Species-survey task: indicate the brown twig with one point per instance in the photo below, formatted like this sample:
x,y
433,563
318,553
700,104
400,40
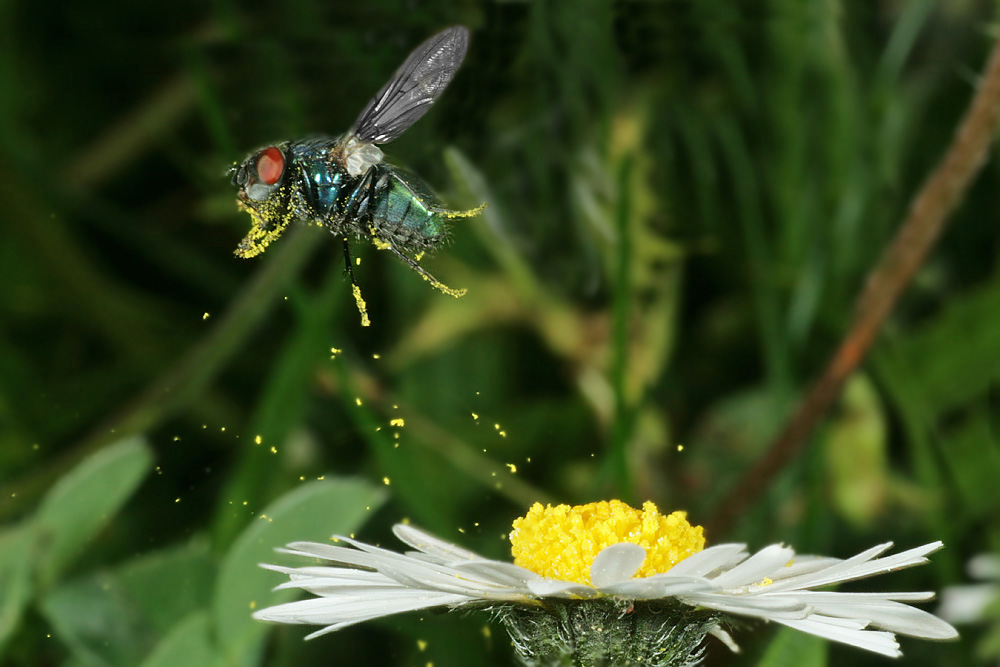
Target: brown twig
x,y
924,222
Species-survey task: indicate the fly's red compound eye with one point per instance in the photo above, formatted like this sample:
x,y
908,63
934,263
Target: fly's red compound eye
x,y
270,165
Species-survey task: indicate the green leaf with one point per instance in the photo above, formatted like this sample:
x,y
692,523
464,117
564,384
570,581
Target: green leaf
x,y
944,374
857,462
190,643
83,502
794,648
116,617
15,580
973,461
314,512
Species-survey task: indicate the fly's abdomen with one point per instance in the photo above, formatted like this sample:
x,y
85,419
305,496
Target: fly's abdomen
x,y
405,212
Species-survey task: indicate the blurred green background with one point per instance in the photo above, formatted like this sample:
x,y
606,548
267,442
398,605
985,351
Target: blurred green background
x,y
684,200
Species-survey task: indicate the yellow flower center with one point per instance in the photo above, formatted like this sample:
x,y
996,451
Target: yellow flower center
x,y
561,542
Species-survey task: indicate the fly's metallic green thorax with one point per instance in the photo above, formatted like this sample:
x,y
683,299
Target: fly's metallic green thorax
x,y
342,183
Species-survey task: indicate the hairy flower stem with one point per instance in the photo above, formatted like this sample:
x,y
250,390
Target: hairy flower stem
x,y
599,632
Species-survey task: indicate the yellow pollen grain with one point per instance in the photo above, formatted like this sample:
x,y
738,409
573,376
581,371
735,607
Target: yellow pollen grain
x,y
205,316
385,480
362,306
513,468
258,440
397,422
274,450
475,416
358,401
561,542
421,645
376,356
680,448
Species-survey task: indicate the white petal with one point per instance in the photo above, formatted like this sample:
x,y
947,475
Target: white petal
x,y
703,563
838,570
503,574
339,612
760,566
616,563
660,586
803,565
329,586
429,544
724,637
862,566
881,612
561,589
319,571
771,608
848,632
406,570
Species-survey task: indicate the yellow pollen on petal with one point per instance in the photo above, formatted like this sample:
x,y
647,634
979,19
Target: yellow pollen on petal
x,y
561,542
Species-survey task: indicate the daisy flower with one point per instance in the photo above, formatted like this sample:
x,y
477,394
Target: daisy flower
x,y
605,583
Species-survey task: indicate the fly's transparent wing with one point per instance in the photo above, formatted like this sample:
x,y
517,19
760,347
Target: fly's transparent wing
x,y
413,88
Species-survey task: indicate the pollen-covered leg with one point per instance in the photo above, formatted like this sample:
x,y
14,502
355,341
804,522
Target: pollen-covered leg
x,y
355,288
413,264
268,223
470,213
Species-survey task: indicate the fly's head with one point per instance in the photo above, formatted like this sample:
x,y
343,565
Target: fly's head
x,y
266,182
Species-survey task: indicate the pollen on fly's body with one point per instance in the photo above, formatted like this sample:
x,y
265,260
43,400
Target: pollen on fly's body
x,y
342,182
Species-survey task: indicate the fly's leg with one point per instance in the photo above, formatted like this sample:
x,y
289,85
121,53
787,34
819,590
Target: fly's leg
x,y
355,288
383,244
357,205
412,263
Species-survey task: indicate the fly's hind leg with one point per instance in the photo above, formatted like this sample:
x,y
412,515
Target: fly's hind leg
x,y
373,186
355,288
413,264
